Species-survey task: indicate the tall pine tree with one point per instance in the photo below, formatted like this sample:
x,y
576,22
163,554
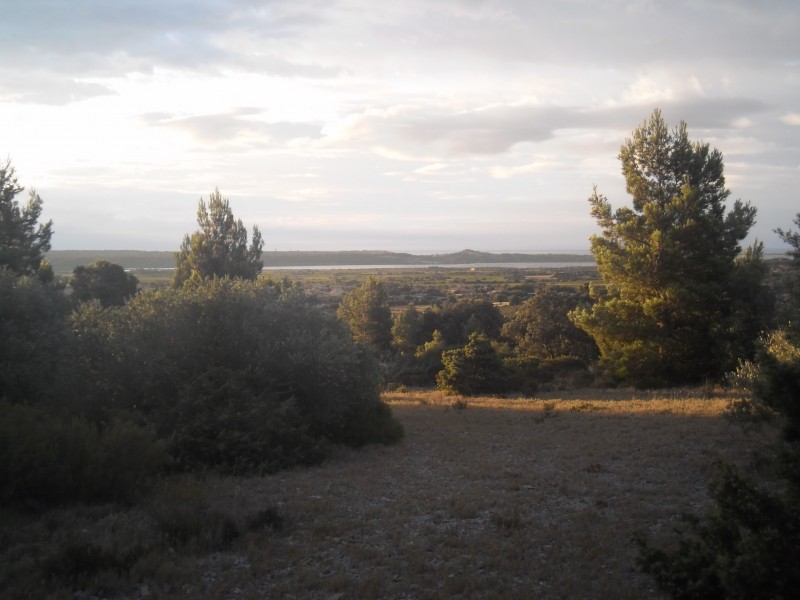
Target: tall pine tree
x,y
665,313
219,248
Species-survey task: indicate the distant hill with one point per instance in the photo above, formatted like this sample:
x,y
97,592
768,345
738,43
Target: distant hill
x,y
381,257
64,261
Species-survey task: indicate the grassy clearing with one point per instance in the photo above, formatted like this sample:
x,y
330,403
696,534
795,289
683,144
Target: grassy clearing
x,y
485,498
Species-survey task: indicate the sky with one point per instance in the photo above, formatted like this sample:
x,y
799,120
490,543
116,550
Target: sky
x,y
415,126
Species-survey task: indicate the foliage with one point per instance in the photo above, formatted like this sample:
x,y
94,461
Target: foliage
x,y
667,262
792,238
748,546
472,369
752,307
529,375
23,241
242,376
219,248
32,335
366,311
186,518
407,329
47,457
103,281
456,321
541,329
427,360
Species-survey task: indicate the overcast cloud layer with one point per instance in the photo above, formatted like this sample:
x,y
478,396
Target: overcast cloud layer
x,y
423,126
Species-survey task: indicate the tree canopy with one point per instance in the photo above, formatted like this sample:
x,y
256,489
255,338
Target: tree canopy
x,y
103,281
667,262
366,311
219,248
472,369
23,240
792,238
541,328
746,545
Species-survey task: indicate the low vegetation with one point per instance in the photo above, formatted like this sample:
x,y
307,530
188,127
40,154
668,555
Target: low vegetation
x,y
484,497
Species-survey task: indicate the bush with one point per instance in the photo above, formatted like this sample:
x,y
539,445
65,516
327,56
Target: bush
x,y
48,458
221,424
241,376
32,333
473,369
529,375
748,545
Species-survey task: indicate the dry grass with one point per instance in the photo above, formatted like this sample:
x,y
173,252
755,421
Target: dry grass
x,y
485,498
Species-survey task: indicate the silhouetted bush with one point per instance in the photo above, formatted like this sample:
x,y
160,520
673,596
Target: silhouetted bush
x,y
32,334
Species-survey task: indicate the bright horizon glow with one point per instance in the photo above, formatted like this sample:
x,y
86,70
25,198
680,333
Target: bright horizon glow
x,y
425,127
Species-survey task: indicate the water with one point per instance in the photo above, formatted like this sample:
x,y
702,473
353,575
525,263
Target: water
x,y
526,265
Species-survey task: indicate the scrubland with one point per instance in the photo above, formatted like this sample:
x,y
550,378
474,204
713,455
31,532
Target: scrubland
x,y
484,498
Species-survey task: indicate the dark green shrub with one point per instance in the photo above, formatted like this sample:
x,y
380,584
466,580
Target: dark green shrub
x,y
473,369
186,516
32,334
103,281
367,314
242,376
748,545
220,423
456,321
82,564
540,328
48,458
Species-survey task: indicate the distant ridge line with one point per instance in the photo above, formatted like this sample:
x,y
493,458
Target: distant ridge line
x,y
64,261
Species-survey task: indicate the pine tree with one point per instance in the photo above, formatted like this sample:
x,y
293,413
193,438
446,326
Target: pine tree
x,y
23,240
667,262
366,311
219,248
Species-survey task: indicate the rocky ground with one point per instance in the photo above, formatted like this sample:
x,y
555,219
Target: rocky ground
x,y
483,499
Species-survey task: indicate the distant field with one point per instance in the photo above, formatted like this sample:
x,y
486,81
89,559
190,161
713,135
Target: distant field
x,y
485,498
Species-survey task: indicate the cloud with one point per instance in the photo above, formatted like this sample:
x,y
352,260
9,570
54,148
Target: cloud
x,y
503,172
433,169
791,119
439,131
42,87
480,131
468,103
243,124
66,42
